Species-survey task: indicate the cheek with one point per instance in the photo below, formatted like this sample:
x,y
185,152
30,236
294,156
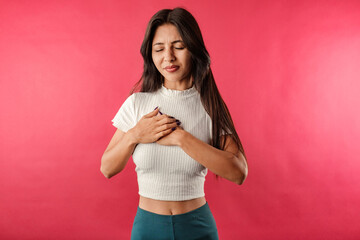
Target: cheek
x,y
186,57
156,61
187,60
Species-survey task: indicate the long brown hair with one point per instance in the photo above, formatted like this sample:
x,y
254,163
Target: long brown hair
x,y
151,80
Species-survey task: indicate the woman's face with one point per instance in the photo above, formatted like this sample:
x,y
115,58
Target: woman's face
x,y
170,56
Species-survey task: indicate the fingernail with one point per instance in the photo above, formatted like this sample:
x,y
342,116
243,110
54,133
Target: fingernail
x,y
171,117
178,123
155,108
160,113
173,128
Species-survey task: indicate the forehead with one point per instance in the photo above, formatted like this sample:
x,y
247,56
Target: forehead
x,y
166,33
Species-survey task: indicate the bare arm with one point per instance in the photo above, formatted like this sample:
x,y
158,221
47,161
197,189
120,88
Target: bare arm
x,y
117,153
150,128
229,163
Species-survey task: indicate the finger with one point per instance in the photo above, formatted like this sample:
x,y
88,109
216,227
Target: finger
x,y
159,117
168,126
160,113
152,113
164,119
163,133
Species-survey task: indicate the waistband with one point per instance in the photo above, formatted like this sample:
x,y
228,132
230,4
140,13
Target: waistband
x,y
203,211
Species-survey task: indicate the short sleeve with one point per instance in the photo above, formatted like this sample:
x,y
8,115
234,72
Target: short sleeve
x,y
125,117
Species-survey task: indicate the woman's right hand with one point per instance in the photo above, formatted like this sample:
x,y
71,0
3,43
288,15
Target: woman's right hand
x,y
153,126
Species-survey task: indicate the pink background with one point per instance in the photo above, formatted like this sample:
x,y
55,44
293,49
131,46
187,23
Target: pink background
x,y
289,72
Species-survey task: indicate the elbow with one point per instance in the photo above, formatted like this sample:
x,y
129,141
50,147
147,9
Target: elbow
x,y
109,173
106,169
105,173
241,178
241,174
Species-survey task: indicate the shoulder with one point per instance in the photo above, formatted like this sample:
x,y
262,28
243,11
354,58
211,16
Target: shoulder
x,y
143,96
140,99
137,96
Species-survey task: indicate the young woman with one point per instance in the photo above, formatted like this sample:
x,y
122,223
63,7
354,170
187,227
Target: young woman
x,y
176,128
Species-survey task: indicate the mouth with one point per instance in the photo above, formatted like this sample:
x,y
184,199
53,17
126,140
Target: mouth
x,y
171,68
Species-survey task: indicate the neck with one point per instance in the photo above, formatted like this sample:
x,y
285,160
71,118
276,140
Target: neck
x,y
178,85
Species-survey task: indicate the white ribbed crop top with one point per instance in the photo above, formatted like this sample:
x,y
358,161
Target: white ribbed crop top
x,y
167,172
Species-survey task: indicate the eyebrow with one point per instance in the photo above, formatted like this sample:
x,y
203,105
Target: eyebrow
x,y
160,43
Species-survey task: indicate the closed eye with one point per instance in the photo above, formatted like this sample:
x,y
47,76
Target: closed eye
x,y
178,48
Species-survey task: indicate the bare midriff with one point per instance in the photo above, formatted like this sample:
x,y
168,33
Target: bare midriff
x,y
170,207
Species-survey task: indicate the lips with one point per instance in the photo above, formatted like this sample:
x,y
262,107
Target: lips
x,y
172,68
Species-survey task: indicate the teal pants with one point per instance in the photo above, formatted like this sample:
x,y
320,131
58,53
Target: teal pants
x,y
197,224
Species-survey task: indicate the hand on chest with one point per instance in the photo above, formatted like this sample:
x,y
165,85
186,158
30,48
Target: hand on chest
x,y
193,118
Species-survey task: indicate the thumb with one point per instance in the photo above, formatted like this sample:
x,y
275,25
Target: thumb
x,y
153,113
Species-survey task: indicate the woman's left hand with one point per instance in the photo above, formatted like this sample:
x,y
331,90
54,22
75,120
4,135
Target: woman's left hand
x,y
173,138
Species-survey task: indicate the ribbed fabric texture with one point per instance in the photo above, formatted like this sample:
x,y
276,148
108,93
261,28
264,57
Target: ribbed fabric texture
x,y
167,172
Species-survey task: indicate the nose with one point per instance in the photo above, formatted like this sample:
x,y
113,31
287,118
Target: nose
x,y
169,55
